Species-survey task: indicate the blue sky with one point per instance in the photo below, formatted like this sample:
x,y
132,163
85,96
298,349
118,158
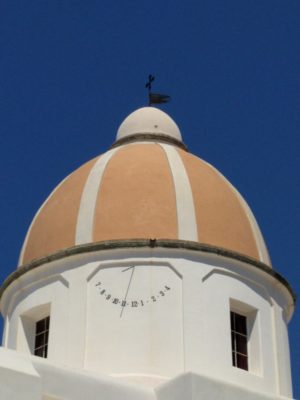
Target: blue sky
x,y
70,71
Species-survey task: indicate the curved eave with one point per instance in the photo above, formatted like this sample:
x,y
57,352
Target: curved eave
x,y
149,137
146,243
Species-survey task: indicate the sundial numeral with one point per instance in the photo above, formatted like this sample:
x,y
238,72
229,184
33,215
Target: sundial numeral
x,y
132,303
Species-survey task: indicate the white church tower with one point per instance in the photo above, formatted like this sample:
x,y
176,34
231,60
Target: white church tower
x,y
144,275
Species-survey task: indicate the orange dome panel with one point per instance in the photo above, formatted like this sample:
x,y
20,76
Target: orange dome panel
x,y
139,190
54,225
136,197
221,219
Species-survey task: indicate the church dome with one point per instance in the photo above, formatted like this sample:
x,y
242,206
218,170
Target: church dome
x,y
147,186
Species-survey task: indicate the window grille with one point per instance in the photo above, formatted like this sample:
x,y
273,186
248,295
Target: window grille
x,y
41,337
239,340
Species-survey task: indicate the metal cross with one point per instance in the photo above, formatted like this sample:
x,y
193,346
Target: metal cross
x,y
149,83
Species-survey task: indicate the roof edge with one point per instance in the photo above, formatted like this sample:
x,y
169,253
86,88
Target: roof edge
x,y
142,243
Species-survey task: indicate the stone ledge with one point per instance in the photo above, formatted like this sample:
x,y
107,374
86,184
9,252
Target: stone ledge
x,y
144,243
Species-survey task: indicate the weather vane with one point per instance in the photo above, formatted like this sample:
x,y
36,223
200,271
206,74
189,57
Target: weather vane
x,y
155,98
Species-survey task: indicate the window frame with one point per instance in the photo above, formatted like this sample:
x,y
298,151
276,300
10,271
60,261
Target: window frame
x,y
25,340
253,327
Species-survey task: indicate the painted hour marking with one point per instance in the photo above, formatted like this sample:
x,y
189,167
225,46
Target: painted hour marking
x,y
132,303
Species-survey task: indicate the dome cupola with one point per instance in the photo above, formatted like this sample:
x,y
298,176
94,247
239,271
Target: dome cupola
x,y
149,123
146,186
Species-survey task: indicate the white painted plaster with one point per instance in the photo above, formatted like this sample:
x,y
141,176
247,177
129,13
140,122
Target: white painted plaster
x,y
38,379
85,219
282,353
149,120
19,379
27,307
186,330
219,295
145,336
186,216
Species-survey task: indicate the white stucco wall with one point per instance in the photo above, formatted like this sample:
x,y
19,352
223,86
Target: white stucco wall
x,y
187,328
25,377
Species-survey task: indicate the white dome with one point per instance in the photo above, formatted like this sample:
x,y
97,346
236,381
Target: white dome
x,y
149,120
